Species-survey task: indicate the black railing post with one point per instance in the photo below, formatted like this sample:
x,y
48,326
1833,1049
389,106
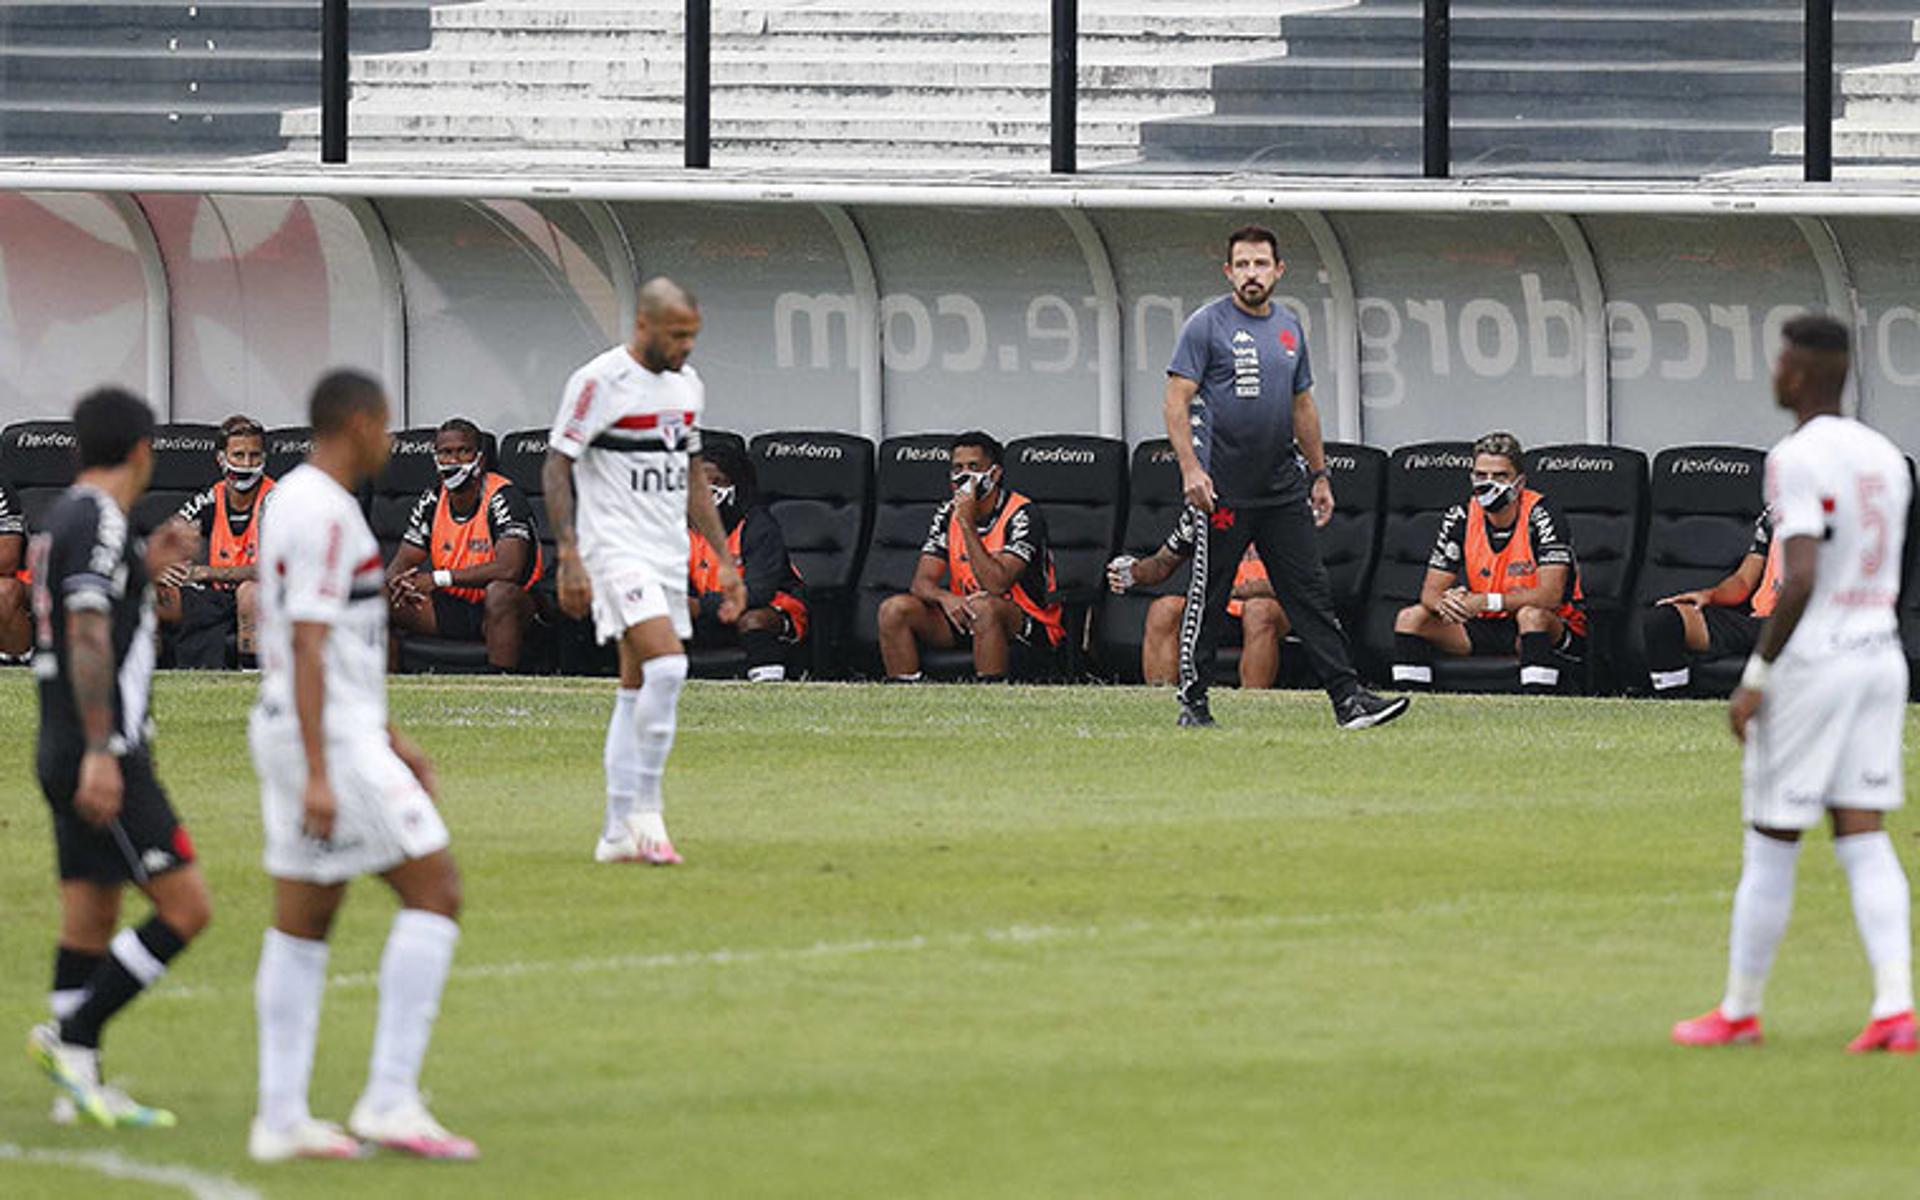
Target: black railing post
x,y
1066,86
699,75
333,81
1817,137
1436,91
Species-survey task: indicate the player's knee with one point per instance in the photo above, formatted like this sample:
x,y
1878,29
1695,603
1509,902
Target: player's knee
x,y
1411,619
246,596
504,599
187,910
897,611
1531,619
1848,822
1163,615
13,595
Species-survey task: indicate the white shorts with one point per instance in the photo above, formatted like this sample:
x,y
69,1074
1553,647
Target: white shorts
x,y
385,817
1827,736
627,594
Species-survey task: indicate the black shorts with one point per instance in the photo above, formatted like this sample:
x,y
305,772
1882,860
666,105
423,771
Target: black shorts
x,y
458,620
1730,630
204,607
144,841
1493,637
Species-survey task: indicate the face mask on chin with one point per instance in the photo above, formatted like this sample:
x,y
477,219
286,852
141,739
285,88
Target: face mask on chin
x,y
454,476
243,479
1492,494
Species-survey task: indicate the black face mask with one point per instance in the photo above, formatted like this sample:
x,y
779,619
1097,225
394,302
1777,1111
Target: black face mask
x,y
454,476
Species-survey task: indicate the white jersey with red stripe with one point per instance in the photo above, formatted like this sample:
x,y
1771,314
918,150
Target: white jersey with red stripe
x,y
319,562
1847,486
630,432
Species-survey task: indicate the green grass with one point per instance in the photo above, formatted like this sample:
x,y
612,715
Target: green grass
x,y
1004,942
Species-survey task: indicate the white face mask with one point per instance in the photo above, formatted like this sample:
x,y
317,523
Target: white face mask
x,y
454,476
1492,494
243,479
723,496
973,483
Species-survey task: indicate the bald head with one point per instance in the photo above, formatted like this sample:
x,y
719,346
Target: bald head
x,y
666,322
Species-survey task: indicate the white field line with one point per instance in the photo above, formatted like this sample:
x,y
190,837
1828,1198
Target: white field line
x,y
115,1165
1012,935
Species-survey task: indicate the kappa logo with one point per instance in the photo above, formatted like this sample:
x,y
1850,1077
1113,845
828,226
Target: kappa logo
x,y
155,860
1242,338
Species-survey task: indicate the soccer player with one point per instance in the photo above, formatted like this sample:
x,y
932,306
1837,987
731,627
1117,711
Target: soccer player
x,y
207,601
626,443
985,575
1240,412
1722,619
342,794
1263,623
112,823
776,614
1822,703
1502,577
458,573
16,632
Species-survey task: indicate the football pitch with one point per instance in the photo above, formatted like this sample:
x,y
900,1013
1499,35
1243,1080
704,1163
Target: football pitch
x,y
951,941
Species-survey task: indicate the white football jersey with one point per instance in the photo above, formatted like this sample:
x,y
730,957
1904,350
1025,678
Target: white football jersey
x,y
1836,480
629,432
319,562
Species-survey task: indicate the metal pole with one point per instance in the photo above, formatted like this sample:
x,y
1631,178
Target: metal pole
x,y
1437,89
1818,134
333,81
699,136
1066,86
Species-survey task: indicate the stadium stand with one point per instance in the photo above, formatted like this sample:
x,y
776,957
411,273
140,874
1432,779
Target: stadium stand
x,y
1080,483
1423,481
1704,503
38,460
183,467
820,488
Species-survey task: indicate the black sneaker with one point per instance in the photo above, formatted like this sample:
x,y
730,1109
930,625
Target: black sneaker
x,y
1364,710
1194,714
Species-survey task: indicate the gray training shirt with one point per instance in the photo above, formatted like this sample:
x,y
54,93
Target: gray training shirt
x,y
1249,369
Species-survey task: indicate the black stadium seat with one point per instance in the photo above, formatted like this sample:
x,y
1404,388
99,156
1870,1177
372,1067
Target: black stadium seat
x,y
820,488
1424,480
1154,504
287,448
909,483
409,471
183,467
1080,484
38,460
1602,493
1349,543
1705,500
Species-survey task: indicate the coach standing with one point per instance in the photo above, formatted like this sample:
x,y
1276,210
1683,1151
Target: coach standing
x,y
1241,417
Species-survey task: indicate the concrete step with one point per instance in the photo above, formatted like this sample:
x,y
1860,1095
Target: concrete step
x,y
1860,141
1877,95
767,69
929,103
267,78
1231,19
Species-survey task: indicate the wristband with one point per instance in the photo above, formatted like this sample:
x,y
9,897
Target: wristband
x,y
1754,678
1496,602
1323,473
443,578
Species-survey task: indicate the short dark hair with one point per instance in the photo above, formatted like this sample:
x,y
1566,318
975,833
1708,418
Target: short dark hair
x,y
462,425
1253,233
736,466
983,440
1503,444
1817,332
241,426
339,396
108,423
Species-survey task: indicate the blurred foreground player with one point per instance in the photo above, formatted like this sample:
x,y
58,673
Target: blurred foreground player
x,y
342,794
112,824
626,444
1822,703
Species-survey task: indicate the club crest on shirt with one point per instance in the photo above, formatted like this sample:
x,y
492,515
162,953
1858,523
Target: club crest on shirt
x,y
673,430
1289,341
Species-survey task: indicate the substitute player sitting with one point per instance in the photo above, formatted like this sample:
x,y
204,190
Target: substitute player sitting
x,y
1502,577
469,553
1821,707
985,576
1721,620
625,444
16,633
776,616
1263,623
210,601
342,794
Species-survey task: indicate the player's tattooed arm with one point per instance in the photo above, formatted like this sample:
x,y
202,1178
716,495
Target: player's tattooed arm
x,y
90,672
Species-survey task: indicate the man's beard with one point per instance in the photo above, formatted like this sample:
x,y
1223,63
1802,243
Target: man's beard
x,y
1255,293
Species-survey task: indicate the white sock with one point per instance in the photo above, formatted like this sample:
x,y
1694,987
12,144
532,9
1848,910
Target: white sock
x,y
777,673
656,716
286,1000
910,678
621,760
1761,906
413,971
1412,673
1881,910
63,1003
